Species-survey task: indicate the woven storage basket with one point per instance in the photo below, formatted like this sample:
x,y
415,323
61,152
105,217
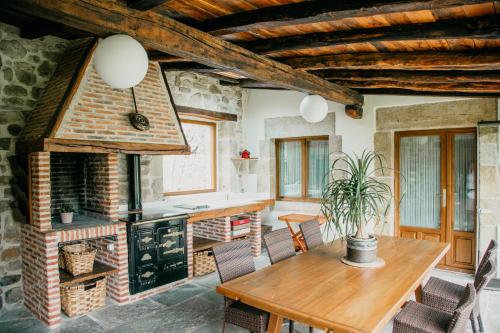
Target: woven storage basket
x,y
78,258
204,262
83,297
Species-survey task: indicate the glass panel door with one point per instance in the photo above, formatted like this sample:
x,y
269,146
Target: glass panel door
x,y
290,169
464,185
420,181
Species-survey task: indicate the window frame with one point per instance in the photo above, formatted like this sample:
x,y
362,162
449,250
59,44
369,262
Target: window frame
x,y
304,166
213,188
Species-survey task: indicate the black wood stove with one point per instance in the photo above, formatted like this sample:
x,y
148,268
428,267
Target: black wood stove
x,y
157,244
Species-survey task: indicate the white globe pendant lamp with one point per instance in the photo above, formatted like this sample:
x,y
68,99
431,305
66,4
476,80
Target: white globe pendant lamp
x,y
121,61
313,108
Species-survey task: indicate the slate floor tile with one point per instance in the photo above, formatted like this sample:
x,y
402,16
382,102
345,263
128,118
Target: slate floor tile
x,y
80,325
115,315
180,294
24,326
18,313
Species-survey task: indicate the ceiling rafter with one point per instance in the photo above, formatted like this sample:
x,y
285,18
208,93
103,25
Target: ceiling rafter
x,y
172,37
487,27
309,12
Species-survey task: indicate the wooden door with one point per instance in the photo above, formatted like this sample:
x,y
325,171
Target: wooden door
x,y
435,190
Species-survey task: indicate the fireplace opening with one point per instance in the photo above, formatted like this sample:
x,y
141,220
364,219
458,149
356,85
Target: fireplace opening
x,y
79,180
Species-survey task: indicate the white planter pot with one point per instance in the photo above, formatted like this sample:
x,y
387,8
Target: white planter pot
x,y
66,218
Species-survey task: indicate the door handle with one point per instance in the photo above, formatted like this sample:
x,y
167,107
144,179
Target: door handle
x,y
443,198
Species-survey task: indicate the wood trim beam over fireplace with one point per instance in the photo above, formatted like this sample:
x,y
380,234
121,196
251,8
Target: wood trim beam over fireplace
x,y
91,146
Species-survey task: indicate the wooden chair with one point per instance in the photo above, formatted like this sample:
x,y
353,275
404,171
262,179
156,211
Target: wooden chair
x,y
443,295
311,232
420,318
234,259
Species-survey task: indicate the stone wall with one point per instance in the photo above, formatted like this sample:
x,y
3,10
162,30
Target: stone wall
x,y
196,90
455,114
25,68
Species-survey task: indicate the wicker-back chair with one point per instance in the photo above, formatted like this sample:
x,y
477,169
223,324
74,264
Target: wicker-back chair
x,y
491,252
420,318
279,245
234,259
445,295
311,232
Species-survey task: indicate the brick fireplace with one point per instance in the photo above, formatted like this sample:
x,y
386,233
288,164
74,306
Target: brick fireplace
x,y
70,148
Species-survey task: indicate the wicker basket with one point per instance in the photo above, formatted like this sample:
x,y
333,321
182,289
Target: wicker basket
x,y
83,297
204,262
78,258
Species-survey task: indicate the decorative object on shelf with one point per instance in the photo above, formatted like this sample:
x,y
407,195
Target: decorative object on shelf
x,y
83,297
352,201
139,121
66,212
245,154
121,61
78,258
313,108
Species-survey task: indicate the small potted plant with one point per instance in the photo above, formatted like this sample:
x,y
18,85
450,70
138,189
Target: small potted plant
x,y
66,212
352,198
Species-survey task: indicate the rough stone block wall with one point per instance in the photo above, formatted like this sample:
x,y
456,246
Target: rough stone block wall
x,y
25,68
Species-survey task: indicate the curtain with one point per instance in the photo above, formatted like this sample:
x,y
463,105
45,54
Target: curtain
x,y
317,167
420,181
290,155
465,181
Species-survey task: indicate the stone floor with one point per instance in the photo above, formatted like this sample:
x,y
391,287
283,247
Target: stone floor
x,y
192,308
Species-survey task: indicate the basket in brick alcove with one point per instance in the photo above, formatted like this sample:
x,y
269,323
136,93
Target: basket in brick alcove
x,y
78,258
83,297
203,258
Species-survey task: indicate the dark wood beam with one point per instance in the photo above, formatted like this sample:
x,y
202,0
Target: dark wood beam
x,y
145,4
409,76
406,92
169,36
465,87
203,113
188,66
478,60
487,27
319,11
251,84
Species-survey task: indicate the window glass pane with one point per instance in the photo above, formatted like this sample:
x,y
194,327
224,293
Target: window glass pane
x,y
290,158
194,172
420,179
464,153
317,159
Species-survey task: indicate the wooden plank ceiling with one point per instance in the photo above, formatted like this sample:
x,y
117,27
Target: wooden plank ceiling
x,y
431,47
370,46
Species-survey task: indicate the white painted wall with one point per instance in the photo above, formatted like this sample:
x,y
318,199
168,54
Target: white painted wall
x,y
357,135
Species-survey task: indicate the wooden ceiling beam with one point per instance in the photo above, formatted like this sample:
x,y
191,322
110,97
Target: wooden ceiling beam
x,y
203,113
187,66
464,87
145,4
409,76
478,60
172,37
309,12
484,28
406,92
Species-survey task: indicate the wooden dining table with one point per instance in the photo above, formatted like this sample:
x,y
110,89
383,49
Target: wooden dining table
x,y
330,295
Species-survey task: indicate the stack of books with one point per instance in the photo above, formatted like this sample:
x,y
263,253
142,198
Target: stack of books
x,y
240,226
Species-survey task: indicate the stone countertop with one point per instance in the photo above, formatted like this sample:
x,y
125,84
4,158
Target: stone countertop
x,y
79,222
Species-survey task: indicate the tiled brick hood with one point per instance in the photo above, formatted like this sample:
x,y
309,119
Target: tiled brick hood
x,y
78,112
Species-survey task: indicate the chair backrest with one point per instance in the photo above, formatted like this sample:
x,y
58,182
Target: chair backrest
x,y
462,313
279,245
311,233
233,259
491,252
485,275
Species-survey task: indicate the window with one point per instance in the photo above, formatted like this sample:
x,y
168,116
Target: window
x,y
196,172
302,168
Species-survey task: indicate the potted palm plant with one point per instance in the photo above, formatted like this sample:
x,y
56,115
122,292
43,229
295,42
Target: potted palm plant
x,y
66,211
353,198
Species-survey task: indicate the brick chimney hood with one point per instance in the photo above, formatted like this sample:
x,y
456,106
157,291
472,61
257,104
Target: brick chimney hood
x,y
78,112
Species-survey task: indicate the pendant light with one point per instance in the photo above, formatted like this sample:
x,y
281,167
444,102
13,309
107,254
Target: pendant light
x,y
313,108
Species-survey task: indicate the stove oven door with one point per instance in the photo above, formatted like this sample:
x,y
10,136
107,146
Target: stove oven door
x,y
145,265
172,256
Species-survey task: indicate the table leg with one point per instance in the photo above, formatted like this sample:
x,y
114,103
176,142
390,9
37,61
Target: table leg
x,y
275,323
418,293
